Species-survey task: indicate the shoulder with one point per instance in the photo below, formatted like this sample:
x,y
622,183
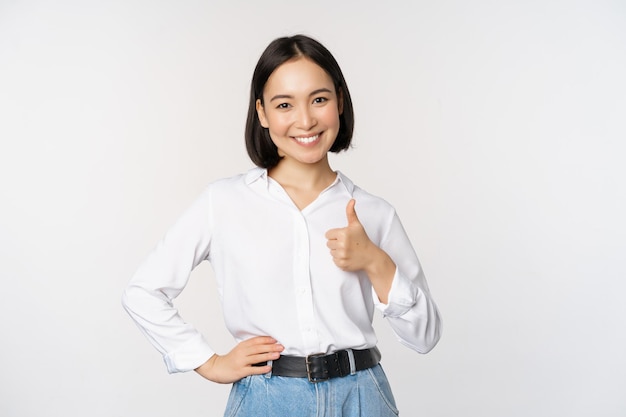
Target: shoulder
x,y
234,184
366,200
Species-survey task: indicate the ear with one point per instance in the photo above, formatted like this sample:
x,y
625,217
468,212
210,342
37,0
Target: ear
x,y
260,111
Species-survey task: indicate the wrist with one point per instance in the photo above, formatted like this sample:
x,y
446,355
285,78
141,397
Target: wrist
x,y
380,265
380,271
205,370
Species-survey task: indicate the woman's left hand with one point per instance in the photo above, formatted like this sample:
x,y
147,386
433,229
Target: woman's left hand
x,y
350,246
352,250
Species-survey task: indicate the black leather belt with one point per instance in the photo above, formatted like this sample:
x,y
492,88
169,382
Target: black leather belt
x,y
321,367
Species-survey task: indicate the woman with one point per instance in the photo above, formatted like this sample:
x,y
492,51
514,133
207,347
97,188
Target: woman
x,y
299,272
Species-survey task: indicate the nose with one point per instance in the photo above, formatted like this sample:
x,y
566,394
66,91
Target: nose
x,y
306,118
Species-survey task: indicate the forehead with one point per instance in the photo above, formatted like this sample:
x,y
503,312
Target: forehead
x,y
298,76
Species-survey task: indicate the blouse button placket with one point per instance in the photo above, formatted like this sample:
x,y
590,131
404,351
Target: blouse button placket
x,y
302,282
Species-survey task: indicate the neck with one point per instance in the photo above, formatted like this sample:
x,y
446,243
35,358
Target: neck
x,y
290,173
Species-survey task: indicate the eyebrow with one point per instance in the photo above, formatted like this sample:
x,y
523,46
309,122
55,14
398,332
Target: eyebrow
x,y
282,96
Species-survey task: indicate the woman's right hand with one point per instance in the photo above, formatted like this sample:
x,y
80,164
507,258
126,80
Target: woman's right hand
x,y
237,364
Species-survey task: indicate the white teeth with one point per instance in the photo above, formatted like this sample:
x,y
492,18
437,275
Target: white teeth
x,y
307,140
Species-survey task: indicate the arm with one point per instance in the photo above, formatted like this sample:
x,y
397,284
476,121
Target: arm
x,y
410,309
399,287
161,278
148,299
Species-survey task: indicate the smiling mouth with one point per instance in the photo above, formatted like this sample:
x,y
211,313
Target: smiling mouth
x,y
307,139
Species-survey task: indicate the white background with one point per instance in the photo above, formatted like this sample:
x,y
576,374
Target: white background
x,y
496,128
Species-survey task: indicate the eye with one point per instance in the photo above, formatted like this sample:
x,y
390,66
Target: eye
x,y
283,106
319,100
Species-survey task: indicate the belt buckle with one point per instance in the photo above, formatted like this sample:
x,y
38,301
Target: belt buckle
x,y
308,368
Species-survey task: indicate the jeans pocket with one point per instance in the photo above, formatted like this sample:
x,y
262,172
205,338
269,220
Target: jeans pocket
x,y
237,394
384,389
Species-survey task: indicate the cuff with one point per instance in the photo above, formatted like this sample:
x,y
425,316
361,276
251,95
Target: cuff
x,y
189,356
402,296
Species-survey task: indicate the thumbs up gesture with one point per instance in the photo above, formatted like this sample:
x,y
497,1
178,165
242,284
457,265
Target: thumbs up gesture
x,y
352,250
349,246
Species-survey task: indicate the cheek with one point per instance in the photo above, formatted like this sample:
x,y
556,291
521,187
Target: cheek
x,y
278,123
331,118
278,131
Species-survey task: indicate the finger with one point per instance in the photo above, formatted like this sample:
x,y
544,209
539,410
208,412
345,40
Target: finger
x,y
341,263
264,357
258,370
264,349
257,345
258,359
331,234
258,340
351,212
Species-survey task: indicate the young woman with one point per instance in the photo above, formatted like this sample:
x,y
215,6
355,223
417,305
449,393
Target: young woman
x,y
301,255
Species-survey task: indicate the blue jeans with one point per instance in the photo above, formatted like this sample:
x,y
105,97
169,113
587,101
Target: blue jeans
x,y
364,394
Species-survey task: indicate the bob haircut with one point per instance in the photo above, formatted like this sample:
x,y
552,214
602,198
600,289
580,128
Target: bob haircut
x,y
259,144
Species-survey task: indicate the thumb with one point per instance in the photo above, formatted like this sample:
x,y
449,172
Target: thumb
x,y
351,213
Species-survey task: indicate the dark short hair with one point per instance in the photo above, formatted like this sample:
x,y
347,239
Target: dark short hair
x,y
259,145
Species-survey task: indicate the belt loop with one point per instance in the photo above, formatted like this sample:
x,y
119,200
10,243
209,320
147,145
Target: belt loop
x,y
269,374
351,359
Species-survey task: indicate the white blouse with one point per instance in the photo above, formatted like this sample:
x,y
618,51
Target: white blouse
x,y
275,275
